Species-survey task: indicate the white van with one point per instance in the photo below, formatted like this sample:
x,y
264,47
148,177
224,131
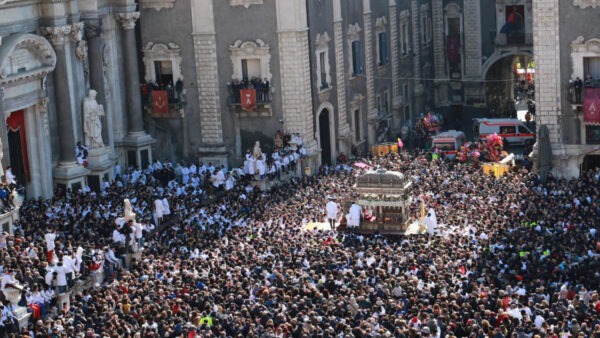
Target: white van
x,y
448,142
512,131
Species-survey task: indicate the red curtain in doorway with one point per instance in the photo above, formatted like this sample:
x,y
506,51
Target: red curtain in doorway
x,y
16,123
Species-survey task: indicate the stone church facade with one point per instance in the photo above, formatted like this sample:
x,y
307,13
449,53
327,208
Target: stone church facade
x,y
51,54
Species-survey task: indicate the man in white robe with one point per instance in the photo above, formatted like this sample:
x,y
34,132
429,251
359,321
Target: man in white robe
x,y
261,167
185,174
331,209
354,216
166,209
158,211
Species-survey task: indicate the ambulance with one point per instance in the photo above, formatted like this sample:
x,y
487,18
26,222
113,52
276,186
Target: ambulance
x,y
448,143
512,131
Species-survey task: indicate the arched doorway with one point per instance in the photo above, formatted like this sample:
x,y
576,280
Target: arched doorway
x,y
17,145
509,83
325,137
590,162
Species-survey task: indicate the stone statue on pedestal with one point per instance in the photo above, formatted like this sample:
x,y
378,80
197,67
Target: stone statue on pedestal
x,y
92,126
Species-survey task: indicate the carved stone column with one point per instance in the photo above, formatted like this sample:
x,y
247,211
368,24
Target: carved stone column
x,y
132,76
59,37
137,143
68,174
95,46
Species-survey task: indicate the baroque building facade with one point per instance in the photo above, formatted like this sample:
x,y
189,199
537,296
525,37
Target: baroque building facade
x,y
51,54
566,50
339,73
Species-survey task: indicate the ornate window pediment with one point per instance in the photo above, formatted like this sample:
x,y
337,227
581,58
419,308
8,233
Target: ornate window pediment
x,y
586,3
322,41
24,56
380,23
323,66
245,3
404,15
259,55
157,5
354,32
580,49
154,52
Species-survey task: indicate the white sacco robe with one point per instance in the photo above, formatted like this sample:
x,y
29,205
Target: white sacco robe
x,y
166,209
331,209
158,210
354,215
431,222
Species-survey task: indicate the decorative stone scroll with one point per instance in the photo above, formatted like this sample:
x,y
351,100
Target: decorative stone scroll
x,y
245,3
250,50
586,3
580,49
161,52
157,5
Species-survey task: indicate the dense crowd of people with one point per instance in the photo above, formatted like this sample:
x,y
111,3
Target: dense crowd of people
x,y
513,257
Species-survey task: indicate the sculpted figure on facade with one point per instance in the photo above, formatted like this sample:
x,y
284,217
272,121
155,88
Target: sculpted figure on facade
x,y
92,126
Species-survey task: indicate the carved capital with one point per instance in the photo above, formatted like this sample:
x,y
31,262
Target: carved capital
x,y
57,35
128,19
93,29
76,32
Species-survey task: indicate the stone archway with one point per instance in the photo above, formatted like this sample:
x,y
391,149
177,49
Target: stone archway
x,y
325,132
25,61
500,79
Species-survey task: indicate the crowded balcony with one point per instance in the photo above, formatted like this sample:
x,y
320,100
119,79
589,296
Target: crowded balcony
x,y
250,97
161,100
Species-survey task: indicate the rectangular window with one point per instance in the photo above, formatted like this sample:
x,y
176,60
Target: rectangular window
x,y
429,29
591,67
453,48
250,69
407,113
378,103
383,49
163,72
323,73
423,30
507,130
356,62
357,126
404,46
386,105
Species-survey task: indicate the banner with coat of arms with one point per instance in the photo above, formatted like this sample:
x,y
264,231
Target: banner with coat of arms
x,y
160,102
591,106
248,99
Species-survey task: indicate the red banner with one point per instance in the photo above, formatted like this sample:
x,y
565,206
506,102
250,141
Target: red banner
x,y
591,106
160,102
453,48
248,99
